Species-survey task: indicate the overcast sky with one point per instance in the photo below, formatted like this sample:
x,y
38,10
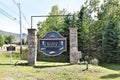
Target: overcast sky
x,y
9,12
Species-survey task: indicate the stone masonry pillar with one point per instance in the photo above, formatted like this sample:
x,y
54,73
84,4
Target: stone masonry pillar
x,y
32,47
73,46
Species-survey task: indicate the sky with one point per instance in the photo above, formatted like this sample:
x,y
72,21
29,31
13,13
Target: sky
x,y
9,12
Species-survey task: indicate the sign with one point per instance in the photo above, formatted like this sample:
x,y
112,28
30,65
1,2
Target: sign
x,y
52,44
10,48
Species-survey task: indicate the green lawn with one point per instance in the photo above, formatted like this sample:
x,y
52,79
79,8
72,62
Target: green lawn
x,y
55,71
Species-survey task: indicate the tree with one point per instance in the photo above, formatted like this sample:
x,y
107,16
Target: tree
x,y
23,41
1,41
111,43
108,19
51,23
86,27
81,29
9,39
68,22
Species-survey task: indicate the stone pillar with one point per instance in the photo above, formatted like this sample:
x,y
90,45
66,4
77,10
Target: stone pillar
x,y
73,46
32,47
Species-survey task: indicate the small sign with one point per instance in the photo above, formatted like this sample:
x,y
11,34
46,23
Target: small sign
x,y
52,44
10,48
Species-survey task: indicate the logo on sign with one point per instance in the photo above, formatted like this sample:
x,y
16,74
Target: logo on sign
x,y
52,44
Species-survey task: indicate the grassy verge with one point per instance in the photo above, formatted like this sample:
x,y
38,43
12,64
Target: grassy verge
x,y
56,71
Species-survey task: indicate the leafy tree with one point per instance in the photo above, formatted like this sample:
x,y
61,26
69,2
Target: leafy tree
x,y
9,39
23,41
1,41
52,23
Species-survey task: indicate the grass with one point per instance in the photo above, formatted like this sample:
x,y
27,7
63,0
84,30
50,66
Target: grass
x,y
55,71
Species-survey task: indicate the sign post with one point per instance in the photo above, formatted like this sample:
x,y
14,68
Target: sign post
x,y
10,57
52,44
10,49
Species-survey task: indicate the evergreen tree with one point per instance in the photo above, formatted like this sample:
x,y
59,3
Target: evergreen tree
x,y
110,43
80,29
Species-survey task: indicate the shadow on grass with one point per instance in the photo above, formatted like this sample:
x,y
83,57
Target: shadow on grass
x,y
115,67
41,66
18,64
47,65
110,76
50,66
5,64
22,64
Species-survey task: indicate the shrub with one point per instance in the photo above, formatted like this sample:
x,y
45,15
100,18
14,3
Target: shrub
x,y
60,58
22,56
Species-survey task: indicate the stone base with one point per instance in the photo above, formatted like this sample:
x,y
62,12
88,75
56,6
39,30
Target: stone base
x,y
73,58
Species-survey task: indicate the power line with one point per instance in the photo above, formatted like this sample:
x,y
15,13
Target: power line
x,y
10,17
25,19
3,4
22,13
14,2
7,7
3,12
7,15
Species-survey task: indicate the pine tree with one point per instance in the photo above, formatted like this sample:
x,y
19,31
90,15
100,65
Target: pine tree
x,y
110,43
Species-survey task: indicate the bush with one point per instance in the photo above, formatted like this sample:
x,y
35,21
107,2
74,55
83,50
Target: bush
x,y
22,56
60,58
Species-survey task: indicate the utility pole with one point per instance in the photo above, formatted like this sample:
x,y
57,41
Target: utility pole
x,y
20,28
18,5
